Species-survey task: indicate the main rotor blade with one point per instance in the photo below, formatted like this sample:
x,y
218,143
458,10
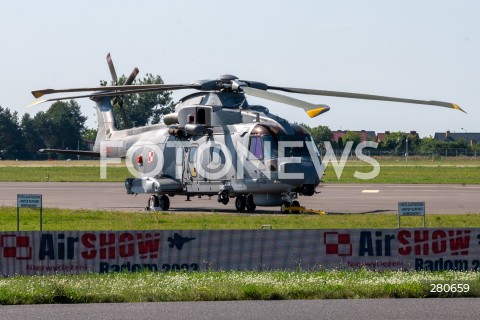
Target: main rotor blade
x,y
132,77
112,68
365,97
106,94
111,94
311,109
155,87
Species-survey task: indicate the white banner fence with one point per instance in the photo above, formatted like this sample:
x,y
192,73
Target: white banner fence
x,y
30,253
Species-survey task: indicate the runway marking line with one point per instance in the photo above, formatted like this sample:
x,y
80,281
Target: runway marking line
x,y
370,191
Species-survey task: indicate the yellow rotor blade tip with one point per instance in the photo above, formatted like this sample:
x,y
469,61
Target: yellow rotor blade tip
x,y
315,112
456,107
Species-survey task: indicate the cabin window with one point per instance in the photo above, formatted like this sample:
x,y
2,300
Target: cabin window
x,y
256,148
179,156
216,156
192,155
201,116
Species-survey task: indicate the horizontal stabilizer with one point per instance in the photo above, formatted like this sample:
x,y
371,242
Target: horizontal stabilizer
x,y
72,152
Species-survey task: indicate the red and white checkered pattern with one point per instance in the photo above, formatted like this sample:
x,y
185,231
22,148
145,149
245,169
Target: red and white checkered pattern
x,y
337,243
151,156
17,247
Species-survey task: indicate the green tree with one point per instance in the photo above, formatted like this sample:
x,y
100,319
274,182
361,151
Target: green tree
x,y
475,148
428,145
319,134
89,134
33,139
62,125
145,108
394,141
11,140
352,136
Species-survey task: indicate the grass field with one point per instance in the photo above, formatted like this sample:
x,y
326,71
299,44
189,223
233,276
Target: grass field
x,y
460,171
233,285
61,219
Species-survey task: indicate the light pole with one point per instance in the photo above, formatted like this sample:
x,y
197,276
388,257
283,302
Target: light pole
x,y
406,149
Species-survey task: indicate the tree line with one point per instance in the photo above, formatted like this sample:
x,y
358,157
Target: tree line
x,y
62,126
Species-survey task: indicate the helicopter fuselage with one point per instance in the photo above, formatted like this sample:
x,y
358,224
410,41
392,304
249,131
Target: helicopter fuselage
x,y
209,149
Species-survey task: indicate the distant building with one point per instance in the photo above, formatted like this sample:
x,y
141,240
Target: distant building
x,y
469,137
364,135
382,135
89,144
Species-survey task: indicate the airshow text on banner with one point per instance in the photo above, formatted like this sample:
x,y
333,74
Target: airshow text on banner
x,y
36,252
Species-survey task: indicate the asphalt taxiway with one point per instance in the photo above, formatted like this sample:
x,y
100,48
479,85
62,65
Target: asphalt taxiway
x,y
371,309
334,198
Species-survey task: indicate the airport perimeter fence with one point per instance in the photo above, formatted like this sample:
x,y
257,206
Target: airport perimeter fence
x,y
412,155
437,154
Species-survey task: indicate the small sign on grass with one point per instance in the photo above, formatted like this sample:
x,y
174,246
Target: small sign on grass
x,y
411,209
29,201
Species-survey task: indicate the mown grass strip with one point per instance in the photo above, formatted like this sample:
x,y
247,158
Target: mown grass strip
x,y
408,174
233,285
389,173
62,174
64,219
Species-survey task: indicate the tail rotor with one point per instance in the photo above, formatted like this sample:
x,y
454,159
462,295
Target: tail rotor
x,y
118,100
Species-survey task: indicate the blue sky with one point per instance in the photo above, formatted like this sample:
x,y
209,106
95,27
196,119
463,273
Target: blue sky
x,y
414,49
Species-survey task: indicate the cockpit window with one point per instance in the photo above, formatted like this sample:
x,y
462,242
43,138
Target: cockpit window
x,y
267,146
270,147
256,147
301,151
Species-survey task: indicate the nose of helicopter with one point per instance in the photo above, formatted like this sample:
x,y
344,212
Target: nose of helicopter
x,y
303,176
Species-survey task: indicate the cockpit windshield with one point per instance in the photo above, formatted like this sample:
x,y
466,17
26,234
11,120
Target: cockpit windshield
x,y
300,148
268,146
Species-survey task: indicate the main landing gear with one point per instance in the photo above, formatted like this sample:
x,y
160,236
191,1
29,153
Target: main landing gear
x,y
242,202
158,203
245,202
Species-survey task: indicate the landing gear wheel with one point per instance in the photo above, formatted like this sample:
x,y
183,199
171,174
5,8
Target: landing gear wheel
x,y
284,207
240,203
250,204
295,203
152,203
223,198
164,203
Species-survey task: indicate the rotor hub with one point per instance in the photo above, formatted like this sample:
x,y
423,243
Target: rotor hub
x,y
226,78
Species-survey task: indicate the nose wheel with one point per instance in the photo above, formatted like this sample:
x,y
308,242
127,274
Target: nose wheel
x,y
286,206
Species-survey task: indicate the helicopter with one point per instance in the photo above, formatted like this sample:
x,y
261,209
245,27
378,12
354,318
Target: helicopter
x,y
215,143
